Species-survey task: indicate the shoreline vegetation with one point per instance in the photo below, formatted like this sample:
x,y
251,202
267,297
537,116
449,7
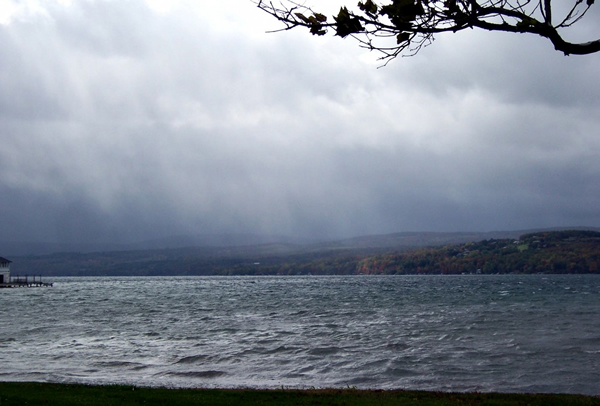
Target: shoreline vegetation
x,y
546,252
20,393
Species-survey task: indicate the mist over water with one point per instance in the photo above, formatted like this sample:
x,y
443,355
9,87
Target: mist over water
x,y
507,333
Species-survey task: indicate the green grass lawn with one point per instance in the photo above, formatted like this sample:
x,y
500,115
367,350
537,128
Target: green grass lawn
x,y
19,394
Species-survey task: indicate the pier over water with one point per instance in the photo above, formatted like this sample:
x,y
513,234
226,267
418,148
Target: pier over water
x,y
25,282
8,281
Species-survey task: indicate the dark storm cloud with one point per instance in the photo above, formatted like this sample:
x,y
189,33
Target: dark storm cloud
x,y
119,122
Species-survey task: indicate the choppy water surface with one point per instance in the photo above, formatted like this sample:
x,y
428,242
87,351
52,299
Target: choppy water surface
x,y
457,333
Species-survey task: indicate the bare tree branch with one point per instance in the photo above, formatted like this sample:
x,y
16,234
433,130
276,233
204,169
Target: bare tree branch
x,y
403,27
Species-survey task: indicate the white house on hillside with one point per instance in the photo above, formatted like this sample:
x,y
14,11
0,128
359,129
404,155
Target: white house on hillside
x,y
4,270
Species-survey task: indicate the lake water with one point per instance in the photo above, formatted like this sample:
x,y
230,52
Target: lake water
x,y
506,333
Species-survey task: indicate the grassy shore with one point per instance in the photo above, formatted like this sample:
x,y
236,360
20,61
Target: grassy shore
x,y
18,394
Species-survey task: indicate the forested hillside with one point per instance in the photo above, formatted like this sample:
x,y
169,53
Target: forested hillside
x,y
545,252
572,251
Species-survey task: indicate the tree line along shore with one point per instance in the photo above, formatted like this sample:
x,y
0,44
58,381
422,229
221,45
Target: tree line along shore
x,y
552,252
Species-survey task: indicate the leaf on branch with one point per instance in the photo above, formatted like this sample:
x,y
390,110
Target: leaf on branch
x,y
347,23
402,37
320,17
402,13
590,2
302,17
315,22
368,7
317,30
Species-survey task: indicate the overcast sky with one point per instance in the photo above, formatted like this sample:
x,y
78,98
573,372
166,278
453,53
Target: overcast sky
x,y
125,120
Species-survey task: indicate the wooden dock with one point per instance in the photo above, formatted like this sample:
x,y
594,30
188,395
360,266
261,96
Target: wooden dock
x,y
26,282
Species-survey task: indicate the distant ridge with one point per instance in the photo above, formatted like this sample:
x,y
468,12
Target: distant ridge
x,y
213,240
432,239
172,242
419,239
253,255
380,241
21,248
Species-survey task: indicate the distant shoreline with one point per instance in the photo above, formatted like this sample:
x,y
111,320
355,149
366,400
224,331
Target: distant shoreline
x,y
18,393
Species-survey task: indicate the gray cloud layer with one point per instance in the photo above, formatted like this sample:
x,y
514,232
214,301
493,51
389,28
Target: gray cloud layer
x,y
120,122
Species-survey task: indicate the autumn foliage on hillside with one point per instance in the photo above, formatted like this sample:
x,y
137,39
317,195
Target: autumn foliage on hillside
x,y
544,252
